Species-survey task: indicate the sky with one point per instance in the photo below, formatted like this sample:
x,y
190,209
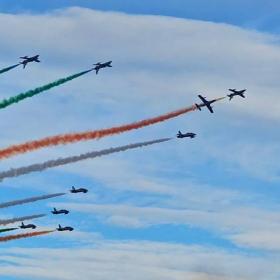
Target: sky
x,y
201,209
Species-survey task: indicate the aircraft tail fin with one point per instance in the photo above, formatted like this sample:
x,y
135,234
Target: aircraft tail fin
x,y
198,107
96,71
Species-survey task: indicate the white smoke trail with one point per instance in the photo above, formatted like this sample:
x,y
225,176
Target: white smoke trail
x,y
20,219
29,200
62,161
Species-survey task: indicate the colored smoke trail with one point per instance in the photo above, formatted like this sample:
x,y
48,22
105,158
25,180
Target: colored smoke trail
x,y
20,219
7,229
24,235
89,135
9,68
62,161
29,200
15,99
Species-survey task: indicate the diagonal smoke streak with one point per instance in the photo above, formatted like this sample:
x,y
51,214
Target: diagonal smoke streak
x,y
17,98
20,219
9,68
88,135
24,235
62,161
7,229
29,200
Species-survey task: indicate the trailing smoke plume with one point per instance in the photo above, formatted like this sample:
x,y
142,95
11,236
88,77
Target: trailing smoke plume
x,y
9,68
7,229
24,235
89,135
29,200
62,161
15,99
20,219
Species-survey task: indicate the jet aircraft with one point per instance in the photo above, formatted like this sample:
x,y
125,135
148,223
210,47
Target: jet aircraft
x,y
236,92
23,226
60,228
184,135
62,211
206,103
100,65
83,190
27,59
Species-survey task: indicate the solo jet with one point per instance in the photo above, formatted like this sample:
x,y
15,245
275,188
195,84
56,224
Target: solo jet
x,y
27,59
62,211
236,92
100,65
23,226
60,228
205,103
83,190
184,135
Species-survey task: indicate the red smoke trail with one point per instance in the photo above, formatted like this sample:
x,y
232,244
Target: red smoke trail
x,y
83,136
24,235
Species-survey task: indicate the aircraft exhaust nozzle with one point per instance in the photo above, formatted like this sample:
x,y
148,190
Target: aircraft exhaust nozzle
x,y
198,107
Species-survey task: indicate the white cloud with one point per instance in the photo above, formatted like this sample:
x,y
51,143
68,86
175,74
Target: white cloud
x,y
135,260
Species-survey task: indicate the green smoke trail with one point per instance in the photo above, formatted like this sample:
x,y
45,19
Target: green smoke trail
x,y
9,68
7,229
15,99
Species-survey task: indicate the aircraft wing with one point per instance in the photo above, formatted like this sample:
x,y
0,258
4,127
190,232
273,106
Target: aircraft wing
x,y
203,99
210,108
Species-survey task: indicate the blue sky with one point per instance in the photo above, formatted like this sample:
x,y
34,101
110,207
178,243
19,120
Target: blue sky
x,y
187,209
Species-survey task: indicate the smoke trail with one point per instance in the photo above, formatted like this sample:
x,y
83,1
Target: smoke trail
x,y
83,136
62,161
14,99
20,219
9,68
24,235
7,229
28,200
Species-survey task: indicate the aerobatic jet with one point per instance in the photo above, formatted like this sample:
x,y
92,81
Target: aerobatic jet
x,y
100,65
236,92
184,135
60,228
23,226
206,103
82,190
27,59
62,211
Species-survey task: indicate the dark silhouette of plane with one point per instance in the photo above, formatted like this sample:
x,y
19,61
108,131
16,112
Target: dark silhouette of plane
x,y
23,226
100,65
236,92
184,135
60,228
83,190
62,211
206,103
27,59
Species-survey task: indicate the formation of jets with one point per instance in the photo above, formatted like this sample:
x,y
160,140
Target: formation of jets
x,y
205,103
27,59
100,65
